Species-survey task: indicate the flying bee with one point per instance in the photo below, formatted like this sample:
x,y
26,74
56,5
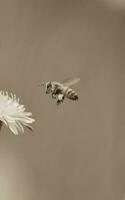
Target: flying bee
x,y
60,91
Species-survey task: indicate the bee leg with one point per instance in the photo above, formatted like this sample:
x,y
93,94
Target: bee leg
x,y
53,96
60,99
58,102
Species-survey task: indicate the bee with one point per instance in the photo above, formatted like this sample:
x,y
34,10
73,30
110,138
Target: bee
x,y
60,91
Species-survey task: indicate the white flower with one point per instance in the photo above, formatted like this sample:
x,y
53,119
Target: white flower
x,y
12,114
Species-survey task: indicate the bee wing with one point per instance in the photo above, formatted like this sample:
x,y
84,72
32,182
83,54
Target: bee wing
x,y
71,81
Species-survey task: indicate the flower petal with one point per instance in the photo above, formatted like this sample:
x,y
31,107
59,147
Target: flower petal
x,y
13,114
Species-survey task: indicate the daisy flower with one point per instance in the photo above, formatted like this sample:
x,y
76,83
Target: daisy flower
x,y
13,114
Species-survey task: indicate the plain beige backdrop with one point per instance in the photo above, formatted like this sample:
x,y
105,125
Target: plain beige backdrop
x,y
76,152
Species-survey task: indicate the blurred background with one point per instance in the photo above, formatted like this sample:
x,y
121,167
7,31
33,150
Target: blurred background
x,y
76,152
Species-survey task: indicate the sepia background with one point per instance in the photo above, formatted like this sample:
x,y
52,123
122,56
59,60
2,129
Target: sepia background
x,y
77,151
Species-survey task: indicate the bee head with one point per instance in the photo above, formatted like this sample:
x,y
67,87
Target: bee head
x,y
48,88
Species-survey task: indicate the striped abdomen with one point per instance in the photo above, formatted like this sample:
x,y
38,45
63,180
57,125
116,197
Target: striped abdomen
x,y
71,94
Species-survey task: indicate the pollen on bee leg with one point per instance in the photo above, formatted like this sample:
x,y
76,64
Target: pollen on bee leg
x,y
60,97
